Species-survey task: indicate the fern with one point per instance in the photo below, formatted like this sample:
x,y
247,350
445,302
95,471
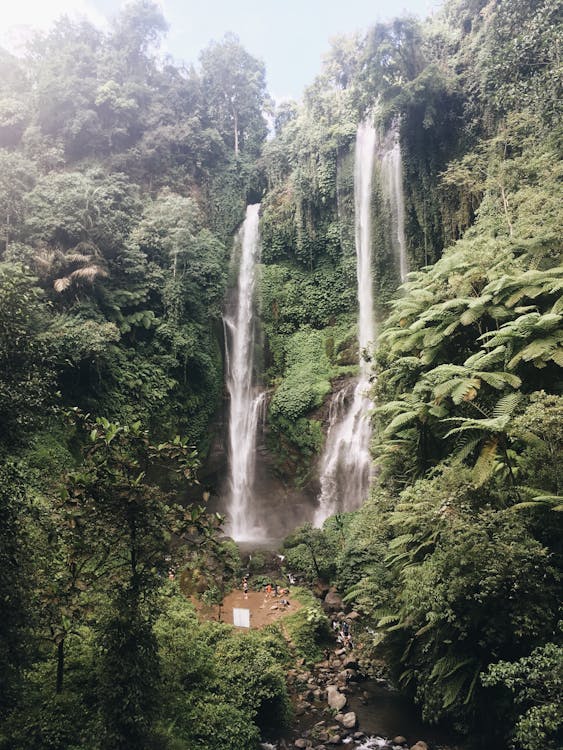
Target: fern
x,y
399,422
484,466
388,620
448,665
506,405
453,689
401,541
467,446
547,502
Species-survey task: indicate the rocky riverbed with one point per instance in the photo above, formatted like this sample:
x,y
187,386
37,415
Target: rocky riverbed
x,y
342,702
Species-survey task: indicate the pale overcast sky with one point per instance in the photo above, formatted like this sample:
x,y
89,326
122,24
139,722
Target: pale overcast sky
x,y
290,36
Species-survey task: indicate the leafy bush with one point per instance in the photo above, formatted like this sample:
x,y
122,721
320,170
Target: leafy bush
x,y
307,627
536,682
221,687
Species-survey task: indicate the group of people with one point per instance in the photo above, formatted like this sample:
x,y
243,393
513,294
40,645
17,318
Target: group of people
x,y
343,633
270,589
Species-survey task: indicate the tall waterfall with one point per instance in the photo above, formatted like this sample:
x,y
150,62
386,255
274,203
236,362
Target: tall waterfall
x,y
392,187
346,463
246,399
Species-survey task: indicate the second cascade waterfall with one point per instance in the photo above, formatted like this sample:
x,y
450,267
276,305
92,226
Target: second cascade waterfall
x,y
246,399
346,463
392,187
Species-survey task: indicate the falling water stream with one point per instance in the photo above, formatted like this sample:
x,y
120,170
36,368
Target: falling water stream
x,y
345,470
346,463
392,187
247,400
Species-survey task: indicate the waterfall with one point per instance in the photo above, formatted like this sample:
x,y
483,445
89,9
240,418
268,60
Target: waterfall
x,y
392,187
247,401
345,470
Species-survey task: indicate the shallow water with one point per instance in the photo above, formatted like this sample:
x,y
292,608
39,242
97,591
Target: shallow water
x,y
389,713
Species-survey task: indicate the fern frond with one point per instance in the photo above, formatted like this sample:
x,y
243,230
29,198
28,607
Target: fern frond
x,y
485,464
466,448
453,689
401,541
388,620
399,422
506,405
447,665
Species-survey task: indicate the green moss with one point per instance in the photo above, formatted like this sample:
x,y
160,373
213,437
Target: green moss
x,y
309,360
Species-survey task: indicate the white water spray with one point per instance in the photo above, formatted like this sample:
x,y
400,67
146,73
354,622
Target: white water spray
x,y
392,186
346,463
247,401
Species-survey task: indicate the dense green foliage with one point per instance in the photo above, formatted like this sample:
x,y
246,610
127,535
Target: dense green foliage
x,y
455,562
124,186
122,181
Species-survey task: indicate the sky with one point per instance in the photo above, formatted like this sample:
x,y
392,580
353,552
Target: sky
x,y
290,36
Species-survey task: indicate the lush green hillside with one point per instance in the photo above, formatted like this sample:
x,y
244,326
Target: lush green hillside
x,y
123,179
455,562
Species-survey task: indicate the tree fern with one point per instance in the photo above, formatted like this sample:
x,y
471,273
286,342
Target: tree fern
x,y
540,351
399,422
383,622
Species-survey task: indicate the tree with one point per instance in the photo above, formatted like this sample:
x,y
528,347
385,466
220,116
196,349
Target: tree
x,y
17,177
536,682
15,584
127,527
138,27
27,377
234,87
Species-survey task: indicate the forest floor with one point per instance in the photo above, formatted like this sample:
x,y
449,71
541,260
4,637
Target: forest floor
x,y
263,610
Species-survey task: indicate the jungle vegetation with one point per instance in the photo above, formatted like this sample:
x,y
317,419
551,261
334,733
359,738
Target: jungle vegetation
x,y
123,178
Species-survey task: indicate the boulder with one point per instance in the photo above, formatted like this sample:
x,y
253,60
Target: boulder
x,y
333,601
300,743
335,698
350,662
399,740
420,745
334,739
347,720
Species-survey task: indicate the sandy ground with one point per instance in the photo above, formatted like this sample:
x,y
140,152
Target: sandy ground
x,y
263,610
